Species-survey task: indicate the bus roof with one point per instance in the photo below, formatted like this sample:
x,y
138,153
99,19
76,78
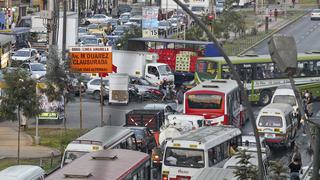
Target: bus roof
x,y
276,107
215,173
258,59
105,164
207,134
106,135
224,85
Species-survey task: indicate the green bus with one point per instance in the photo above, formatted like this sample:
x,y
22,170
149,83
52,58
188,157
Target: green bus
x,y
260,75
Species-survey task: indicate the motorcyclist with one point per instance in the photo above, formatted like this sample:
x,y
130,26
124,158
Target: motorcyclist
x,y
163,88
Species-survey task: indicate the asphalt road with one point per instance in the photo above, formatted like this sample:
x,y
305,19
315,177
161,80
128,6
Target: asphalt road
x,y
305,32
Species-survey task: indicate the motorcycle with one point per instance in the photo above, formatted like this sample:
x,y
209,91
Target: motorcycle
x,y
156,95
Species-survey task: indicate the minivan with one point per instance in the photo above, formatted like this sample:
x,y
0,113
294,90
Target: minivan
x,y
22,172
277,124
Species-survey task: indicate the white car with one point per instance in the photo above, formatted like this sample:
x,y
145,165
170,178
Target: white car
x,y
315,14
93,87
97,18
36,70
26,54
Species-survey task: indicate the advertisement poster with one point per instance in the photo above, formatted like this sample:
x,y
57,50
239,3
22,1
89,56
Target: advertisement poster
x,y
150,22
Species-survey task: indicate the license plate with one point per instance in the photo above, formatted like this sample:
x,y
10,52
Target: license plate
x,y
269,135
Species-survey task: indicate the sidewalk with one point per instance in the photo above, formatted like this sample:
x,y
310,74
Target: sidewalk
x,y
9,143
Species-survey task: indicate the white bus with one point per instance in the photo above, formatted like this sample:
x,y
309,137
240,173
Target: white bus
x,y
106,137
201,148
217,100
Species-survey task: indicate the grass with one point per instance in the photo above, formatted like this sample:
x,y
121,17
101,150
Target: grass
x,y
50,137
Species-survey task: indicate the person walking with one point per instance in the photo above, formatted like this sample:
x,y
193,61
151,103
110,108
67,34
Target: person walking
x,y
104,93
275,14
295,168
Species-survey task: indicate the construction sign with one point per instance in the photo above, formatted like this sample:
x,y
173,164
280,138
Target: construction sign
x,y
91,59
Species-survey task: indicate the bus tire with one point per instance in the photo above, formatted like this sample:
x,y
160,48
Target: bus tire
x,y
265,97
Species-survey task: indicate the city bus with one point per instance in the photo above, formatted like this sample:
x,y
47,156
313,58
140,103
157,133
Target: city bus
x,y
205,147
217,100
99,138
107,164
260,75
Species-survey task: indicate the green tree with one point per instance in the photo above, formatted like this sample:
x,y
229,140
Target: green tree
x,y
245,169
19,98
277,170
133,32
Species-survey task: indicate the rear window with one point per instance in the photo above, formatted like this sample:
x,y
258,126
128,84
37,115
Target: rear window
x,y
204,101
270,121
286,99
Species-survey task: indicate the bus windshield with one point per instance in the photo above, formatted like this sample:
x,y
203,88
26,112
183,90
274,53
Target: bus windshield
x,y
270,121
286,99
204,101
72,155
192,158
206,70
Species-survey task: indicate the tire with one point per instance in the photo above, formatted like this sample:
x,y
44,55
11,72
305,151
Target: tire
x,y
96,95
265,98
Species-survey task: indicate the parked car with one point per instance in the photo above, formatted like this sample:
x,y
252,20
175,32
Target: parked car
x,y
36,70
97,18
315,14
124,17
26,54
141,84
164,27
82,31
198,10
93,87
122,8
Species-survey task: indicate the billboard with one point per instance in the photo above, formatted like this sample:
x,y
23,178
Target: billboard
x,y
150,22
91,59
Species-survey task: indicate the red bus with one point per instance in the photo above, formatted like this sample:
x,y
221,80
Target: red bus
x,y
113,164
217,100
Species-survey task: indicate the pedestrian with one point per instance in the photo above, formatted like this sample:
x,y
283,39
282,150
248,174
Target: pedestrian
x,y
163,88
270,14
275,14
295,168
104,93
293,3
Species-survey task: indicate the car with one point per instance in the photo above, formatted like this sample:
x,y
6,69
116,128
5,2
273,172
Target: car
x,y
82,31
114,22
120,30
36,70
198,10
123,8
136,19
93,27
74,85
144,137
93,87
90,41
175,23
141,84
124,17
249,144
219,8
26,54
315,14
97,18
100,35
164,27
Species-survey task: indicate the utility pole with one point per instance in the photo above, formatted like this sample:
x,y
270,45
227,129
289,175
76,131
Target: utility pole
x,y
64,32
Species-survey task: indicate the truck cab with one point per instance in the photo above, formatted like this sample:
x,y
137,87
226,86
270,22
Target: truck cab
x,y
157,72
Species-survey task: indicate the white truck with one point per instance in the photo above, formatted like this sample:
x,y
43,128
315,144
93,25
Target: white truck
x,y
38,30
141,64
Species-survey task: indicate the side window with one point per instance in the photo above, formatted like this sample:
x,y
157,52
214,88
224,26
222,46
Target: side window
x,y
152,70
25,66
95,82
212,157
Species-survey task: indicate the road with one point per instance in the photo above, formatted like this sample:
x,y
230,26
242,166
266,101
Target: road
x,y
305,32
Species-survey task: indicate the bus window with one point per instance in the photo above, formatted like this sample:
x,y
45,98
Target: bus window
x,y
204,101
183,157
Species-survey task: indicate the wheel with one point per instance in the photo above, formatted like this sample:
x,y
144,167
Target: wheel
x,y
265,98
96,95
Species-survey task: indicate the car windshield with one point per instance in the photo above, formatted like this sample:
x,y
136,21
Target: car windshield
x,y
37,67
90,41
72,155
286,99
82,30
93,26
192,158
204,101
164,70
22,53
270,121
163,23
197,8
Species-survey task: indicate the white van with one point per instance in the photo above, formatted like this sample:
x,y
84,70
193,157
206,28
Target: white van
x,y
285,94
22,172
277,124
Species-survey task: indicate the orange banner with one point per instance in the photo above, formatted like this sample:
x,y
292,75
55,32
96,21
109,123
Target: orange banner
x,y
91,61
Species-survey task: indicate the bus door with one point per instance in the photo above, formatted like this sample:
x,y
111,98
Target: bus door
x,y
233,114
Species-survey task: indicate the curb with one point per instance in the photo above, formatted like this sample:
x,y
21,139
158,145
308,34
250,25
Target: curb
x,y
273,32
